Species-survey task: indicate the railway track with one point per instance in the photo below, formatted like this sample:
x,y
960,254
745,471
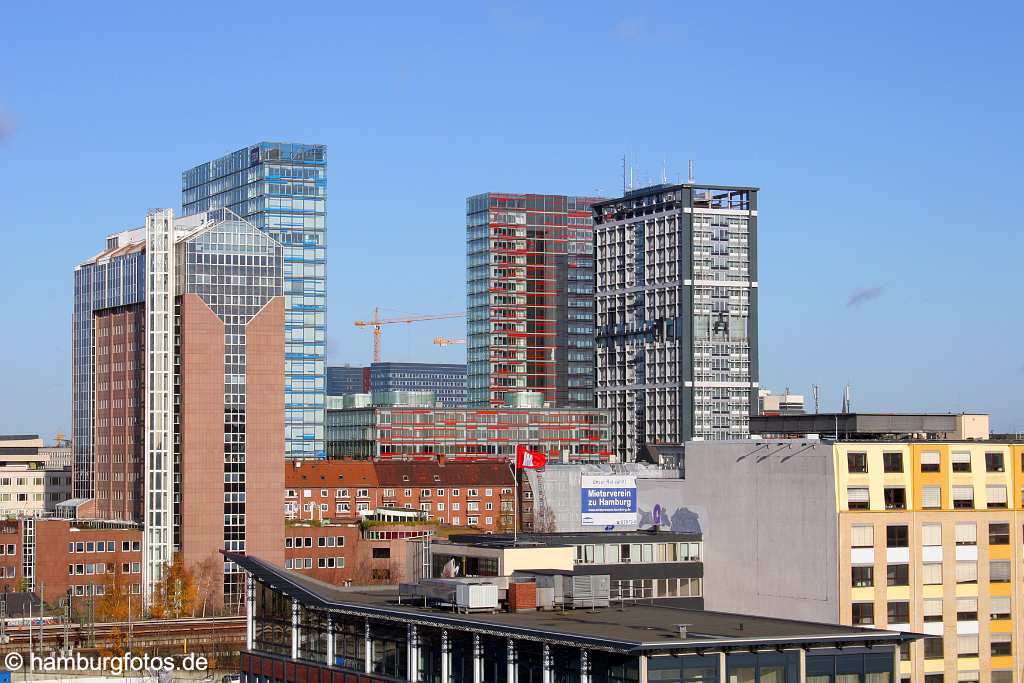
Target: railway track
x,y
192,632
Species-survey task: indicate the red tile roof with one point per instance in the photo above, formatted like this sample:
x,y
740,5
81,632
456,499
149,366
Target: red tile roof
x,y
333,473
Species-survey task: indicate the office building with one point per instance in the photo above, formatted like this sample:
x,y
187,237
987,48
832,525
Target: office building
x,y
185,388
676,303
346,379
875,426
281,189
780,404
447,381
29,484
529,298
399,428
904,534
300,630
640,565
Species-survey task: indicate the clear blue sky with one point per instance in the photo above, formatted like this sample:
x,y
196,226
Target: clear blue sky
x,y
886,138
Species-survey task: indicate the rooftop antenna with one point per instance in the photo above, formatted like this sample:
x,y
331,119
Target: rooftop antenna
x,y
664,170
690,179
815,390
846,399
623,174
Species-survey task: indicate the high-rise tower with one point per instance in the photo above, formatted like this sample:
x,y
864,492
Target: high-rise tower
x,y
530,298
676,297
281,189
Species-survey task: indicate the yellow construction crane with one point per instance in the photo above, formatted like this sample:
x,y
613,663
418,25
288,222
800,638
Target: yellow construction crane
x,y
377,321
445,341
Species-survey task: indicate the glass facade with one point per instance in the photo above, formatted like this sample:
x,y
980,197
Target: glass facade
x,y
530,298
281,189
114,278
236,270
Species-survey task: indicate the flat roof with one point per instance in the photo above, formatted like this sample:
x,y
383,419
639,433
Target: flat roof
x,y
625,627
572,538
856,423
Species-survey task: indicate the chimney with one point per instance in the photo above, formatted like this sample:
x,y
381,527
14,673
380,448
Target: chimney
x,y
682,631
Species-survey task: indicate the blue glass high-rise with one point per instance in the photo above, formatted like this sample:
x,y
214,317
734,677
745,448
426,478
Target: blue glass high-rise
x,y
281,189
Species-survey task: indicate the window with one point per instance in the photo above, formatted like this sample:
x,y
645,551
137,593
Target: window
x,y
931,573
966,609
862,536
931,534
932,610
858,497
892,462
999,571
863,613
931,497
961,461
897,575
857,462
994,462
967,645
863,577
995,495
1002,676
1000,644
999,607
966,571
963,497
381,553
966,533
323,493
898,612
930,461
934,678
933,650
999,533
895,498
896,536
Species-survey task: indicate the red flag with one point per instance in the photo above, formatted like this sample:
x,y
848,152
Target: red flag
x,y
528,458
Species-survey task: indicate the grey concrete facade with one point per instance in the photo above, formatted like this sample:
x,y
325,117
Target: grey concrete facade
x,y
676,313
767,514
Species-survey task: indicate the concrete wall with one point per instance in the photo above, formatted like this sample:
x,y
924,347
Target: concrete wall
x,y
767,512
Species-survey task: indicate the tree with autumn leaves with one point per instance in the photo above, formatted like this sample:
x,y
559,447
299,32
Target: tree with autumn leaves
x,y
174,595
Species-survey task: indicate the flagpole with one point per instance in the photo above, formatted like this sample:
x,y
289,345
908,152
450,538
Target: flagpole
x,y
515,497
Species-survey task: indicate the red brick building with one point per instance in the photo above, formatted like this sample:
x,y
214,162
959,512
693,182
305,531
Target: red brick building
x,y
80,555
459,494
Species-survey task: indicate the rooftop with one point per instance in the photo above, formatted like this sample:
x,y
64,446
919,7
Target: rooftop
x,y
626,627
873,425
572,538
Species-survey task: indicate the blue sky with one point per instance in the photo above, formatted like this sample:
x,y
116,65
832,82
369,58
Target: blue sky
x,y
885,138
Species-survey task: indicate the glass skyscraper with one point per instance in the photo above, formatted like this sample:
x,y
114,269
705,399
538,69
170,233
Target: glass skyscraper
x,y
281,189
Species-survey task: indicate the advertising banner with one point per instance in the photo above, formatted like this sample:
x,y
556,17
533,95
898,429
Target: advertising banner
x,y
608,500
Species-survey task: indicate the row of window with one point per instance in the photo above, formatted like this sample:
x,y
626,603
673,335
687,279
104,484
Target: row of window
x,y
390,493
100,589
898,535
960,461
967,646
863,576
625,553
321,542
103,568
895,497
321,563
104,546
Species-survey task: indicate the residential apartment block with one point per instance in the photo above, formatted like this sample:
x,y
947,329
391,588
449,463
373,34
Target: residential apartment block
x,y
460,494
281,188
179,388
403,432
530,298
923,536
676,305
29,483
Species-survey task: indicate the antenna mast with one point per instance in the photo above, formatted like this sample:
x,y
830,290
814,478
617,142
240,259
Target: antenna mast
x,y
690,179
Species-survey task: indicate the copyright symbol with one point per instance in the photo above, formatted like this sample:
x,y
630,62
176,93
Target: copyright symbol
x,y
13,661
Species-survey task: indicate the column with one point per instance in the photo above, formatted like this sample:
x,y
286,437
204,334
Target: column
x,y
802,666
250,610
295,628
721,667
477,660
446,656
510,660
330,639
584,665
412,656
545,662
367,647
642,665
